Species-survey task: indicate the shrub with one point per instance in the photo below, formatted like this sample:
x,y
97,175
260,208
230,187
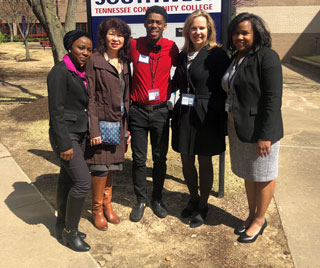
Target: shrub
x,y
2,38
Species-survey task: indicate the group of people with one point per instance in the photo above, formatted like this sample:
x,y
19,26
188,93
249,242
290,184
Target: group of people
x,y
240,98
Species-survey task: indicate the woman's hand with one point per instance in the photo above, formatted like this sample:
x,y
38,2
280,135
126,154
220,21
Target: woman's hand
x,y
95,141
67,155
263,148
129,139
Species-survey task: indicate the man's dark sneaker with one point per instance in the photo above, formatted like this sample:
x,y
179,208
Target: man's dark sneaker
x,y
137,212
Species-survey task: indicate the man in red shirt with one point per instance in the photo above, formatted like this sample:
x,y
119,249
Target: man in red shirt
x,y
152,58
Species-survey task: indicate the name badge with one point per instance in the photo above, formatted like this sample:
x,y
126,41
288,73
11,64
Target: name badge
x,y
187,99
154,94
143,59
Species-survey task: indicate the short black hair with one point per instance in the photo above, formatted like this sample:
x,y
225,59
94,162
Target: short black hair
x,y
261,36
157,9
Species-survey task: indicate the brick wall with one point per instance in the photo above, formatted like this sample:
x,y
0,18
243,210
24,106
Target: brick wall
x,y
294,25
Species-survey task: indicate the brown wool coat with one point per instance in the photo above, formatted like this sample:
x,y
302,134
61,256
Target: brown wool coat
x,y
105,105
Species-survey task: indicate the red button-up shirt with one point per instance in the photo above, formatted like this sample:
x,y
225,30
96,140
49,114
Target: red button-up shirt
x,y
159,63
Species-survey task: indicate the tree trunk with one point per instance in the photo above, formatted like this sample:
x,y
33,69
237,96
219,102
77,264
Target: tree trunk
x,y
44,11
11,31
26,45
71,15
56,31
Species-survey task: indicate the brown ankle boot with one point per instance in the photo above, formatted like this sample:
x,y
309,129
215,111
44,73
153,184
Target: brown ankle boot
x,y
108,211
98,185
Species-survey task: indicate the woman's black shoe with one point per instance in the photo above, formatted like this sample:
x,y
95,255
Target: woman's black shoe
x,y
190,208
244,238
59,229
70,234
240,230
74,241
199,218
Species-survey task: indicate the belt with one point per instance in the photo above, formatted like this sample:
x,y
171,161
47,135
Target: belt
x,y
150,107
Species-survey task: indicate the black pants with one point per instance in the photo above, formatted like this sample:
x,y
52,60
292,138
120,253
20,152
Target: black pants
x,y
141,123
191,177
74,174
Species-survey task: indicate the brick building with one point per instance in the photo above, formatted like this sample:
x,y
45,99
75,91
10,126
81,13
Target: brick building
x,y
294,25
60,7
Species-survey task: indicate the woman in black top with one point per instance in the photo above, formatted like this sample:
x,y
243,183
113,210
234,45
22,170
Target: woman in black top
x,y
198,124
68,101
254,86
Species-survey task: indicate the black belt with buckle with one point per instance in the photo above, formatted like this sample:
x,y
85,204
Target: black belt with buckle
x,y
150,107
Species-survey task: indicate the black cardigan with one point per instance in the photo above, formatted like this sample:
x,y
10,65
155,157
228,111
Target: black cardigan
x,y
68,101
257,103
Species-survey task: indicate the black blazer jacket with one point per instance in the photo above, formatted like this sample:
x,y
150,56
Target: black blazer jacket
x,y
258,98
68,102
200,129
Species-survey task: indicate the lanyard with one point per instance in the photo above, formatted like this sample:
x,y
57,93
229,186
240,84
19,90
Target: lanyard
x,y
235,66
188,71
153,73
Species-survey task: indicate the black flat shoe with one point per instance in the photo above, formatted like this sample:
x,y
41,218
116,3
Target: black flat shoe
x,y
137,212
199,218
244,238
240,230
190,208
159,208
59,229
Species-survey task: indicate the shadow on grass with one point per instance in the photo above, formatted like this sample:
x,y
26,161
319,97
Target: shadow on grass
x,y
21,88
123,193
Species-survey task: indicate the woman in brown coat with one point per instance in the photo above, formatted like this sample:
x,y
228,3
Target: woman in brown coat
x,y
108,73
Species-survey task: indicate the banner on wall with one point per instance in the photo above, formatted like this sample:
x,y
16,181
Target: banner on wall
x,y
133,11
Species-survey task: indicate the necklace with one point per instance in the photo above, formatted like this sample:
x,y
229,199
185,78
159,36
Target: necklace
x,y
115,62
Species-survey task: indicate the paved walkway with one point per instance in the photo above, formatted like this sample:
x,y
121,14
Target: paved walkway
x,y
298,188
27,224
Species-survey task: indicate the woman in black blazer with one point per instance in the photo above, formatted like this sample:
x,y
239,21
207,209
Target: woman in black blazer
x,y
198,124
253,83
68,101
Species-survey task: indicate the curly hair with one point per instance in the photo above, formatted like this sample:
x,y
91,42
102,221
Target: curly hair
x,y
212,35
120,26
261,34
157,10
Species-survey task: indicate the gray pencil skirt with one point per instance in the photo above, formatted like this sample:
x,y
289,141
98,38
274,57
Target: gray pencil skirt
x,y
245,163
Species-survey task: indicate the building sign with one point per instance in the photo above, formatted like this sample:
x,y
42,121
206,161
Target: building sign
x,y
133,11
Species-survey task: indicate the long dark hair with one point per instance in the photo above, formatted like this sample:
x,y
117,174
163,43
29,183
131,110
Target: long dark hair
x,y
120,26
261,35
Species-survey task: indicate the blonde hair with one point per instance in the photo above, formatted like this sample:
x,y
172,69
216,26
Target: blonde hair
x,y
212,35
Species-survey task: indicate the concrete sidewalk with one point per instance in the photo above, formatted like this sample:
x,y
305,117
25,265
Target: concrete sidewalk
x,y
297,190
27,224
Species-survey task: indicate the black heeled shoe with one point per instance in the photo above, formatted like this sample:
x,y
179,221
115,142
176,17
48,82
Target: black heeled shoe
x,y
190,208
74,241
240,230
199,218
244,238
59,229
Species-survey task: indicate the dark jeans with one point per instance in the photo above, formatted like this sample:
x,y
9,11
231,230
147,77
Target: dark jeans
x,y
74,174
191,177
142,122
